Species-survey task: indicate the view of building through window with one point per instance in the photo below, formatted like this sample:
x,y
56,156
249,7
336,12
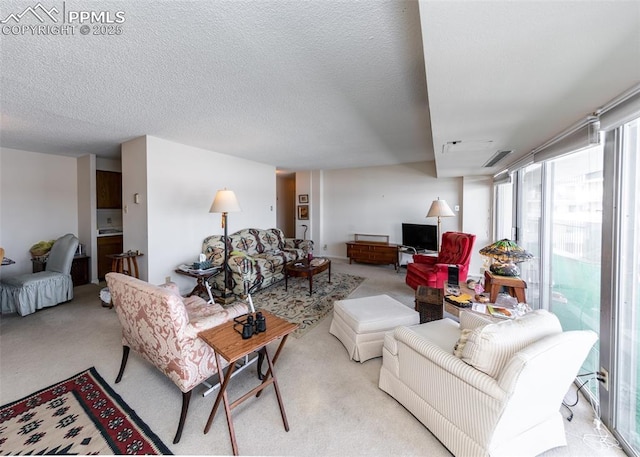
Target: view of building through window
x,y
559,217
576,192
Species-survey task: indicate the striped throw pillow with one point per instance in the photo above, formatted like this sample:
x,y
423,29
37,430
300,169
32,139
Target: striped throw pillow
x,y
488,348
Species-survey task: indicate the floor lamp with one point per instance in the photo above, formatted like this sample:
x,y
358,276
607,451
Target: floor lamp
x,y
225,202
439,208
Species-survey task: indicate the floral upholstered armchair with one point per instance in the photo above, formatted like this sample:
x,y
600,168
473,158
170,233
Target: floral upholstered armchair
x,y
163,328
256,258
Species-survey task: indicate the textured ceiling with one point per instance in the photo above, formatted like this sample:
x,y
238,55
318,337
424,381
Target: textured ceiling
x,y
317,84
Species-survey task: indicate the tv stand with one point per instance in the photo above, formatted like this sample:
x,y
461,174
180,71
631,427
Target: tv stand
x,y
374,249
406,254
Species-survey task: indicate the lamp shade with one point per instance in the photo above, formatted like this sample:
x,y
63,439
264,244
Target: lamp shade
x,y
225,201
439,208
505,254
505,251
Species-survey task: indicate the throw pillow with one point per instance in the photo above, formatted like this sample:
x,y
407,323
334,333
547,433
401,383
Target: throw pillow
x,y
469,321
488,348
462,342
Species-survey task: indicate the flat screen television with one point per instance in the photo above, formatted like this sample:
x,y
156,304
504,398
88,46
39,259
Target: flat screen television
x,y
420,236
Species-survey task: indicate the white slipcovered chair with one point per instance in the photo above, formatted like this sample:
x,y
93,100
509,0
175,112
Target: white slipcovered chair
x,y
485,388
27,293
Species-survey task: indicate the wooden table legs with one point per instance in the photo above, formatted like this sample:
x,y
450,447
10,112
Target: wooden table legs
x,y
513,285
268,379
118,264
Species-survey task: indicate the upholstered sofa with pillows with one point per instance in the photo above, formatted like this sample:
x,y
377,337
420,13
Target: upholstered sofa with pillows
x,y
484,387
256,258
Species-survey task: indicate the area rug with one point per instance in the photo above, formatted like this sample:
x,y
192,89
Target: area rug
x,y
81,415
295,304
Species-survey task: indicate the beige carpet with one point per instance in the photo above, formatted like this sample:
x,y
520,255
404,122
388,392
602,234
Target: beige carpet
x,y
297,306
333,404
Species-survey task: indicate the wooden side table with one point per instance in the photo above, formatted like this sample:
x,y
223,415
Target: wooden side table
x,y
513,285
228,344
79,269
201,276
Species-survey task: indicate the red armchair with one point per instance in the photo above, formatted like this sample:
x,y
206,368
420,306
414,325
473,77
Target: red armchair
x,y
433,271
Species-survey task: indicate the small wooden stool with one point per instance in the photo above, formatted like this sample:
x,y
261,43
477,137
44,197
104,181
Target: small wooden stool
x,y
118,263
513,285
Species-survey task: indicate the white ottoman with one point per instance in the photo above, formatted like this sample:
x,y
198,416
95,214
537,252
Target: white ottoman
x,y
360,323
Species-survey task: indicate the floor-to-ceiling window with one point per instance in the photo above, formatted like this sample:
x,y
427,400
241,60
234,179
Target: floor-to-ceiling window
x,y
626,373
574,232
578,212
529,217
503,201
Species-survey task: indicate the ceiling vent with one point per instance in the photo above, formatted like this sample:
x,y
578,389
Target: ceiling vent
x,y
497,157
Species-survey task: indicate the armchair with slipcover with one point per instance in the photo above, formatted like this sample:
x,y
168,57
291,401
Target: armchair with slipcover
x,y
486,388
162,327
433,271
29,292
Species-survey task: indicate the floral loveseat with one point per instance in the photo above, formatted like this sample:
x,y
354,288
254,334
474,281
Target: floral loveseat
x,y
256,258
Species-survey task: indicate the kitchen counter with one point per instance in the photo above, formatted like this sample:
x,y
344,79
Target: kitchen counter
x,y
108,232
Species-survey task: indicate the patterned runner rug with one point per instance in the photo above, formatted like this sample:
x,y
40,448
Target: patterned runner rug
x,y
295,304
81,415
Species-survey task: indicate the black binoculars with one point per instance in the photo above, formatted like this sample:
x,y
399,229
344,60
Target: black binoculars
x,y
250,325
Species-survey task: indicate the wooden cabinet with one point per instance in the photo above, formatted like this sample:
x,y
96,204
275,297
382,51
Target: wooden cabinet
x,y
109,189
366,250
79,269
107,245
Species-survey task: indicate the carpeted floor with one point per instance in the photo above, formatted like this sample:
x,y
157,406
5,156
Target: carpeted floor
x,y
333,404
297,306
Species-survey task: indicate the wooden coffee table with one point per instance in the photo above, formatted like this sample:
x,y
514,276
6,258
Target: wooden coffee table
x,y
306,269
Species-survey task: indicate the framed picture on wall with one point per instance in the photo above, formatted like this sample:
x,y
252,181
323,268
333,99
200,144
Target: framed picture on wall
x,y
304,198
303,212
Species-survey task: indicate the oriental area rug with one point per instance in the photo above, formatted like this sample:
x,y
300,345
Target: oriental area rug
x,y
295,304
81,415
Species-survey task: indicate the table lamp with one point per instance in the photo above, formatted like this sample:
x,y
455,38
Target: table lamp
x,y
439,208
225,202
506,254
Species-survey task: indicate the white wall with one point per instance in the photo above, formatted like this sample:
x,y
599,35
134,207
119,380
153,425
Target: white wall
x,y
38,201
377,200
87,201
181,182
134,215
476,219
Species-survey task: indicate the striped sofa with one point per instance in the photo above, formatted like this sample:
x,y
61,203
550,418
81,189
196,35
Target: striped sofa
x,y
486,388
256,258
